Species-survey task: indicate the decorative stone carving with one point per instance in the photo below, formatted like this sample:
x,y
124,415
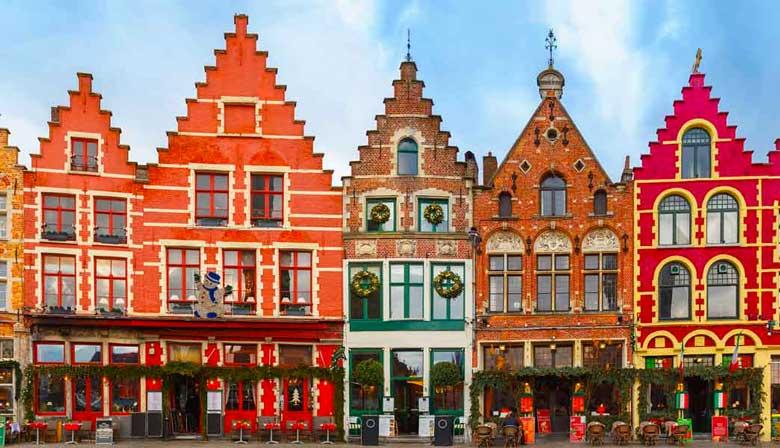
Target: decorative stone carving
x,y
599,240
505,241
446,247
406,248
552,241
365,248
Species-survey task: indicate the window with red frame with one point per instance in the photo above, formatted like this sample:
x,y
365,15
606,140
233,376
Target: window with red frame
x,y
124,354
49,389
267,197
59,281
239,270
49,353
125,396
84,156
295,282
59,217
86,353
111,220
241,354
211,199
182,265
240,396
111,284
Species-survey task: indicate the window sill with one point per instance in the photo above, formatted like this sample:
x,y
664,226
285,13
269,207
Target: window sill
x,y
552,311
566,216
505,218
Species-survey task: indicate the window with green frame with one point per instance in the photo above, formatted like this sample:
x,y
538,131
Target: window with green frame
x,y
370,307
448,400
387,226
443,308
363,400
406,291
427,226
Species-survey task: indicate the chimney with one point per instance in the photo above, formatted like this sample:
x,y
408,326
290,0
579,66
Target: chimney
x,y
55,114
472,170
4,137
489,165
627,175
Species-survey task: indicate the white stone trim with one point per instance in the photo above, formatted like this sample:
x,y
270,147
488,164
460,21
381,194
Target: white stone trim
x,y
69,136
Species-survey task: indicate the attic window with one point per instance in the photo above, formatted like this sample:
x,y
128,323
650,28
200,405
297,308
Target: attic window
x,y
579,165
84,156
525,166
551,134
239,119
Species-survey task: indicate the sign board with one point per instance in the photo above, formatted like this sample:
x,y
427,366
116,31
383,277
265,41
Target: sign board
x,y
577,428
388,404
104,431
686,421
425,428
153,401
384,425
214,401
543,420
775,425
529,429
423,405
720,428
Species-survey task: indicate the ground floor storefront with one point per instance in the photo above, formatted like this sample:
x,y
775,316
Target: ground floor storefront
x,y
12,345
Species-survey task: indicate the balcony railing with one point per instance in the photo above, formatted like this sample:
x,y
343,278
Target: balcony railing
x,y
115,236
212,222
84,163
295,309
240,305
51,232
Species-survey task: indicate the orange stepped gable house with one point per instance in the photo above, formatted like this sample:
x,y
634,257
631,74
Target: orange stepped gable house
x,y
554,273
192,289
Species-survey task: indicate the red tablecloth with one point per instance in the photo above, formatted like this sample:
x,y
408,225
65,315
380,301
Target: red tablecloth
x,y
38,425
328,426
298,426
73,426
241,425
271,426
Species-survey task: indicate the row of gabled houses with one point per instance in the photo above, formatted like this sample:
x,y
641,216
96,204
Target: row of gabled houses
x,y
543,277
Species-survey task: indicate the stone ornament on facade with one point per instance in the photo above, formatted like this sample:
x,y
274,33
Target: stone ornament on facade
x,y
406,248
505,241
600,240
365,248
446,247
552,241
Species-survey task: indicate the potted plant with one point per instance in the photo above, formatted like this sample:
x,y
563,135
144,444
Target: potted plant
x,y
445,376
369,374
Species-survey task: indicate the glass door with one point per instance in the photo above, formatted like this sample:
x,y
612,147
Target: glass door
x,y
407,387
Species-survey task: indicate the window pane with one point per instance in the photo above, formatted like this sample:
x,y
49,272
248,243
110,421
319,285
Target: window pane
x,y
407,163
124,396
730,227
609,291
496,293
713,228
721,301
544,262
560,203
680,302
562,293
496,263
547,206
50,353
124,354
407,363
514,292
416,302
87,353
514,262
51,394
683,228
592,292
703,161
561,262
396,302
542,356
591,261
295,355
563,356
687,163
666,230
609,261
544,293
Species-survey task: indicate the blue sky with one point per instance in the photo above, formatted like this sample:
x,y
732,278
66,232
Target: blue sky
x,y
624,64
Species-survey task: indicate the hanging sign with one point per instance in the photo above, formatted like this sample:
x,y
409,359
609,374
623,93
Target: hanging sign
x,y
577,404
526,404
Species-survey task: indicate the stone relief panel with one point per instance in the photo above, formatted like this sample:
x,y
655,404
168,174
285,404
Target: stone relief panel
x,y
446,247
365,248
600,240
552,241
406,248
505,241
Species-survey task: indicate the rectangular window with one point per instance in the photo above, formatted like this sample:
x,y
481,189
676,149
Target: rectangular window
x,y
3,285
380,215
59,281
241,355
7,389
295,282
295,355
505,283
602,355
407,363
87,353
125,396
502,356
448,398
111,221
552,283
84,156
240,396
111,284
366,303
698,361
239,269
182,265
406,291
6,349
553,355
59,217
49,394
360,398
449,307
659,362
88,394
434,215
267,196
190,353
744,362
124,354
49,353
601,282
3,216
211,199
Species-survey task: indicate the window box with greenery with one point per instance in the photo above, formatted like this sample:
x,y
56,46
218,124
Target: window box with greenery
x,y
433,215
380,215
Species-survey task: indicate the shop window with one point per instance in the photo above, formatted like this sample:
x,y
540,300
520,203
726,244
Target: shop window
x,y
367,307
211,199
448,398
722,291
295,282
111,221
505,283
407,363
696,154
659,395
50,394
87,353
607,395
739,396
553,355
674,292
125,396
377,218
447,308
267,197
600,203
406,291
7,389
241,355
674,221
774,375
659,362
601,282
363,398
59,217
182,265
504,204
432,207
88,394
49,353
7,349
698,361
295,355
553,196
124,354
190,353
502,357
84,156
240,272
722,219
111,284
552,282
407,157
602,355
240,396
59,281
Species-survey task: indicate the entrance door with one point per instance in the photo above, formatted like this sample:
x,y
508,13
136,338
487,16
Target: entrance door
x,y
406,393
700,402
185,405
296,401
554,395
88,399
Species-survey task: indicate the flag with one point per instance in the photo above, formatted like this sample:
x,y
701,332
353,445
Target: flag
x,y
719,401
682,357
681,400
734,365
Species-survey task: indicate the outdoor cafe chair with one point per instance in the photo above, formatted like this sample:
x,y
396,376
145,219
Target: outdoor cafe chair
x,y
595,433
483,436
511,436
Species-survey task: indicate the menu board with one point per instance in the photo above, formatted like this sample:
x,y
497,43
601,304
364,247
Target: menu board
x,y
104,431
720,428
214,401
154,401
577,428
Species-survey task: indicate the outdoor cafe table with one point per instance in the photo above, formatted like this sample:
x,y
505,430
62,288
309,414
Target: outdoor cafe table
x,y
72,427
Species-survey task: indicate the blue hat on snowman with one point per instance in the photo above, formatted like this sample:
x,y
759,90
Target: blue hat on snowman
x,y
213,277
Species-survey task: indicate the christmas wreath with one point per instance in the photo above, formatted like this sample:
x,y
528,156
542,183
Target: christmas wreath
x,y
434,214
453,286
380,213
362,289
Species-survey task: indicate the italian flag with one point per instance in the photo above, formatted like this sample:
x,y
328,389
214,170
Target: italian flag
x,y
734,365
720,400
681,400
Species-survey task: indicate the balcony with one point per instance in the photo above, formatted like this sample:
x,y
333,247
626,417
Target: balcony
x,y
106,236
299,308
54,304
105,308
240,306
266,223
52,232
84,163
212,222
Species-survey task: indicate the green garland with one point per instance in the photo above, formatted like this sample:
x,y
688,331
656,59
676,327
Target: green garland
x,y
380,213
357,283
18,378
434,214
455,288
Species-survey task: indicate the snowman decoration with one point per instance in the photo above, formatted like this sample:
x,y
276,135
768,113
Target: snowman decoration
x,y
210,295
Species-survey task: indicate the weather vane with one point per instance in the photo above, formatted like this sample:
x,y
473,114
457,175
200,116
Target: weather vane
x,y
697,62
408,45
550,45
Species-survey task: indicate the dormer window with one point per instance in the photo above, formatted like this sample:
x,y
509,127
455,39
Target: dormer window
x,y
407,157
504,204
84,156
696,154
553,196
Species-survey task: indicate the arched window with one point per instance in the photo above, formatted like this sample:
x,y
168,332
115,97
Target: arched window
x,y
553,192
504,204
674,221
407,157
600,203
696,154
722,219
674,292
722,291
